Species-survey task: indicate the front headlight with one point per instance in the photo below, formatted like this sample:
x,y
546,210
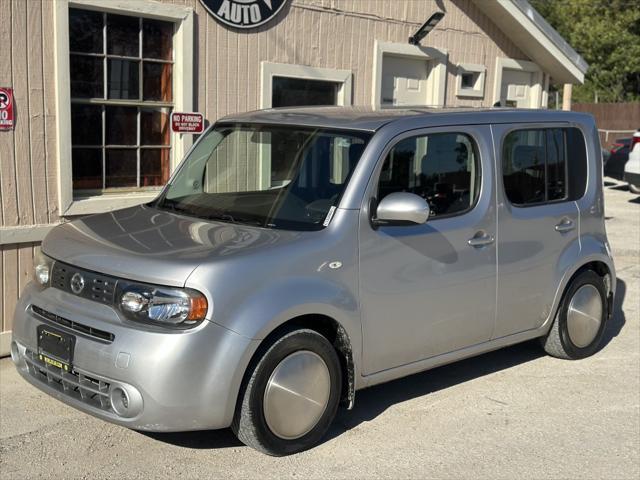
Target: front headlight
x,y
177,307
42,269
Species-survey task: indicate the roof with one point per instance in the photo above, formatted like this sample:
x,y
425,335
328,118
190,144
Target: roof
x,y
369,119
536,38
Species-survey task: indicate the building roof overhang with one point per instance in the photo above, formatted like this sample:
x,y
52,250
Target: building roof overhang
x,y
536,38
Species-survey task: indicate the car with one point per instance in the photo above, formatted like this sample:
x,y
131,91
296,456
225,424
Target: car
x,y
632,167
299,255
606,154
617,158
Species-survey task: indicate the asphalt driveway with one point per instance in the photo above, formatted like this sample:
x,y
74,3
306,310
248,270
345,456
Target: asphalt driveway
x,y
514,413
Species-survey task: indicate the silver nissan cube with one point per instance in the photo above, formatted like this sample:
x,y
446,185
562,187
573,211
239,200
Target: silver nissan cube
x,y
299,255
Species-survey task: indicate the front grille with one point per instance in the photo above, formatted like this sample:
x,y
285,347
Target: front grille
x,y
82,387
75,326
97,287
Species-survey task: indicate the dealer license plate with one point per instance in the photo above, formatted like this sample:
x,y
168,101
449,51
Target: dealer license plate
x,y
55,348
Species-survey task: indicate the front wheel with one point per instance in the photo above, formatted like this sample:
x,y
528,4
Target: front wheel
x,y
292,395
579,324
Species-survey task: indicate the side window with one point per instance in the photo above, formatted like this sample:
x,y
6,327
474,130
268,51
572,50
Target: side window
x,y
443,168
534,166
577,163
556,165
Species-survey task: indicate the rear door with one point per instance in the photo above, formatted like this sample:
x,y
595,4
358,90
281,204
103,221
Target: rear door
x,y
537,223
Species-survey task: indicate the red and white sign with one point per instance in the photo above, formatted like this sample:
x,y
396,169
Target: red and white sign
x,y
6,108
187,122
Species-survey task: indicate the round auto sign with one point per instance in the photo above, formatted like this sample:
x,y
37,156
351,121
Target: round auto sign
x,y
243,13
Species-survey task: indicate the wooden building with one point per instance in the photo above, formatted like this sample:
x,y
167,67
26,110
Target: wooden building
x,y
94,83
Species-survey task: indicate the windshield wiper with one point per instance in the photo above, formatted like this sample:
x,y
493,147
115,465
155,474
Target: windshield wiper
x,y
172,206
225,217
219,215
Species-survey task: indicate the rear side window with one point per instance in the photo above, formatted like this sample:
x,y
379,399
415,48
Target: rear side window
x,y
443,168
544,165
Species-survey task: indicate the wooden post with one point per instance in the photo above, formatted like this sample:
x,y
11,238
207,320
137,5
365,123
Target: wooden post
x,y
566,96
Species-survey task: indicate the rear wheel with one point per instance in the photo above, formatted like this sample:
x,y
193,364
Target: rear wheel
x,y
579,324
291,396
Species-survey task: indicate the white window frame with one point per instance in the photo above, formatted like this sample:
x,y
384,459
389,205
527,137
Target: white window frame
x,y
473,68
183,46
268,70
523,66
436,82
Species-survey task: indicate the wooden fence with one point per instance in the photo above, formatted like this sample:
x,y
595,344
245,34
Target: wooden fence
x,y
614,120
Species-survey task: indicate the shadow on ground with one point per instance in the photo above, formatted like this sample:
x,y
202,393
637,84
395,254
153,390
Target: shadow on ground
x,y
624,187
373,401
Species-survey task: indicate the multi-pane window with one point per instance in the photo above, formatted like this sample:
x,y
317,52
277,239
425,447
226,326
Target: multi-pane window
x,y
443,168
534,166
121,72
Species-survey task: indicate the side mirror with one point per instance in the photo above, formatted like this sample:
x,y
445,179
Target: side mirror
x,y
402,207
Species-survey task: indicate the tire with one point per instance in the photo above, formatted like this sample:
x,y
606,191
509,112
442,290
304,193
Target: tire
x,y
634,189
304,354
586,340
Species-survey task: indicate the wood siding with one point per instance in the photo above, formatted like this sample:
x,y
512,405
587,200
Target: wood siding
x,y
16,265
28,176
337,34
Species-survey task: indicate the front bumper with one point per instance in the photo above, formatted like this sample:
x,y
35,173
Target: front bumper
x,y
145,378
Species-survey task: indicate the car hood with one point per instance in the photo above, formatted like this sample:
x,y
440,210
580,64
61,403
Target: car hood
x,y
149,245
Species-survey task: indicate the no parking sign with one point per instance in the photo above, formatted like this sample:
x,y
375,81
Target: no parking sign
x,y
6,108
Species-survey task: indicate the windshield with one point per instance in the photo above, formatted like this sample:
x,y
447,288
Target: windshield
x,y
283,177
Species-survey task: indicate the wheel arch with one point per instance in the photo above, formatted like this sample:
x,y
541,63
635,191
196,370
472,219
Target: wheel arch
x,y
607,274
329,328
600,264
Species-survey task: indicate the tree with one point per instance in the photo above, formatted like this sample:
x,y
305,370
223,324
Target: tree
x,y
607,35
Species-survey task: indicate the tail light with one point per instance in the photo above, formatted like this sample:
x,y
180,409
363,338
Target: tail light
x,y
634,141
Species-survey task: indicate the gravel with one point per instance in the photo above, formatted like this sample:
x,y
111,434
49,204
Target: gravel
x,y
514,413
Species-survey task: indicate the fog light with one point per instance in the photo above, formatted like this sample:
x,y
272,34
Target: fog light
x,y
15,356
126,401
119,401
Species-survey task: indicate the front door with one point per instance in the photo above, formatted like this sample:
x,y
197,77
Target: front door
x,y
537,223
430,289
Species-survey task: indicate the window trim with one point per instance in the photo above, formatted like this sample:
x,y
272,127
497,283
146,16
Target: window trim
x,y
375,177
183,71
436,81
503,63
473,68
567,197
269,70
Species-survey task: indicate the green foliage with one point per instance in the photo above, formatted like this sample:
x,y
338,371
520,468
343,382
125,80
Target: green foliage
x,y
607,35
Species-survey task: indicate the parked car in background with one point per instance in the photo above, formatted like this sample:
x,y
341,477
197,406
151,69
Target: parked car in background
x,y
605,157
299,255
618,156
632,168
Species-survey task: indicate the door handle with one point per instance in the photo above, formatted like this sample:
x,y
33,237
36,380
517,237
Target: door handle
x,y
480,239
566,225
